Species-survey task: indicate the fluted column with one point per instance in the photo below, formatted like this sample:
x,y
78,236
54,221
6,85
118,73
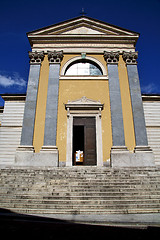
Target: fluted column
x,y
112,59
31,98
55,59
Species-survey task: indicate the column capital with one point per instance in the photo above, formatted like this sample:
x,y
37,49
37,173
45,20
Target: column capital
x,y
36,57
55,56
130,57
111,57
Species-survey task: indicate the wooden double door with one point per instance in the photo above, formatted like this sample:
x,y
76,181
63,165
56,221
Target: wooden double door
x,y
84,139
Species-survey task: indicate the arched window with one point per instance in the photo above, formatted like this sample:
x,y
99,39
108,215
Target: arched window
x,y
83,67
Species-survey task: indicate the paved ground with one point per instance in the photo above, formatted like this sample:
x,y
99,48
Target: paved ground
x,y
136,220
19,226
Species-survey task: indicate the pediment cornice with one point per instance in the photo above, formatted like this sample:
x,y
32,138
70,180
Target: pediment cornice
x,y
84,103
81,29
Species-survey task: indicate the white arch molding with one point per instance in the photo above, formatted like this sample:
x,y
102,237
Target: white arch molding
x,y
72,60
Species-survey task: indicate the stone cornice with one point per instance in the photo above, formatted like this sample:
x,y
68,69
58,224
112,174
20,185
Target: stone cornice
x,y
84,103
62,27
130,57
36,57
111,57
55,56
13,97
150,97
89,39
1,109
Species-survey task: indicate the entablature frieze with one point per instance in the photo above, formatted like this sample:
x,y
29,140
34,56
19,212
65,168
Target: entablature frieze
x,y
97,48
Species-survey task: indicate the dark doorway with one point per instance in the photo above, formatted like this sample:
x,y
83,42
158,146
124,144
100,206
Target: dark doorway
x,y
78,142
84,139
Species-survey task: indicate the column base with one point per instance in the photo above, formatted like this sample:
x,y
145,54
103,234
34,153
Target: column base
x,y
26,149
142,156
49,154
24,156
119,156
47,157
49,149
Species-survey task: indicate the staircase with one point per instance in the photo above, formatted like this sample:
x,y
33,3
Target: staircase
x,y
80,190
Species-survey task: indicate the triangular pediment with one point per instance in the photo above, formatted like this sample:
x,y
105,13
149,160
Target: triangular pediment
x,y
82,26
82,30
84,102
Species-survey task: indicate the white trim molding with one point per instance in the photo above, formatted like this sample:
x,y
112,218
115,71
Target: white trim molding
x,y
84,77
84,107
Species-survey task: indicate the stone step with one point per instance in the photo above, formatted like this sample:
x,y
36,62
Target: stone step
x,y
83,204
69,211
80,207
70,188
80,181
76,191
82,178
101,199
78,176
82,190
61,196
84,211
83,185
63,193
82,196
76,182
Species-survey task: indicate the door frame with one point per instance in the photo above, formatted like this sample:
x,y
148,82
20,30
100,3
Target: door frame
x,y
84,107
86,125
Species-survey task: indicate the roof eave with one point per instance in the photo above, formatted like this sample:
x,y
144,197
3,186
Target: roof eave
x,y
13,97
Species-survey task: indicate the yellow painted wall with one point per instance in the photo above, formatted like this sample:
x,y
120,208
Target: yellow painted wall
x,y
75,89
41,106
126,105
66,58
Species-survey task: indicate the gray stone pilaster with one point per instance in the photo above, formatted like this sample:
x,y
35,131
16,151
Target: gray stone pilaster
x,y
52,98
31,99
112,59
136,99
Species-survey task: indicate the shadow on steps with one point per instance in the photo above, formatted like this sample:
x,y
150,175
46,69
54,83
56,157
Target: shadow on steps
x,y
22,226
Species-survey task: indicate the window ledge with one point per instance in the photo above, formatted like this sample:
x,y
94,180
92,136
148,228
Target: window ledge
x,y
84,77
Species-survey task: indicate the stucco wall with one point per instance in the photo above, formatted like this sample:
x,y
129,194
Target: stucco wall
x,y
72,89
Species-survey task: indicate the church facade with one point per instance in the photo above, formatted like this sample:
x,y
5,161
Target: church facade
x,y
83,104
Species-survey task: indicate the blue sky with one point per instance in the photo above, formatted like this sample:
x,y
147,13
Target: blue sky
x,y
21,16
